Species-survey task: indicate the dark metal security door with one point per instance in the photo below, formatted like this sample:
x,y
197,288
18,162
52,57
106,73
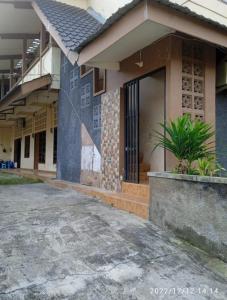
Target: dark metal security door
x,y
132,132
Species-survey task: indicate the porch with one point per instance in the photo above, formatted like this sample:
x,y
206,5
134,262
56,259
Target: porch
x,y
61,244
133,198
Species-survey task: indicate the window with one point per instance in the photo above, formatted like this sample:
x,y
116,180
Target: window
x,y
97,116
85,95
55,145
84,70
73,79
99,81
42,147
27,146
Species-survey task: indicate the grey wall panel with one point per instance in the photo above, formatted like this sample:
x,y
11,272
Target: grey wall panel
x,y
221,128
75,107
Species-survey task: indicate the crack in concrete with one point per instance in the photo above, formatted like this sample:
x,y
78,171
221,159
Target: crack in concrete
x,y
95,273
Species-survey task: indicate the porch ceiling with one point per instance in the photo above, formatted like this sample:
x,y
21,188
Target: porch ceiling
x,y
141,26
19,93
140,37
15,18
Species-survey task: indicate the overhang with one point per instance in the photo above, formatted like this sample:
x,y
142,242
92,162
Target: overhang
x,y
17,21
68,25
12,99
142,25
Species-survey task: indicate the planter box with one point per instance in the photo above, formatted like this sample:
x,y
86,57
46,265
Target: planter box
x,y
194,207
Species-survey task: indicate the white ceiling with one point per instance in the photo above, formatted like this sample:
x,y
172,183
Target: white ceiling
x,y
142,36
15,20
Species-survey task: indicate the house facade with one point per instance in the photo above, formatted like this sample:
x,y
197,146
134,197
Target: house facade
x,y
104,78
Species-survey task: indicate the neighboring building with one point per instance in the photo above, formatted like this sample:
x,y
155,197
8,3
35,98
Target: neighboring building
x,y
149,62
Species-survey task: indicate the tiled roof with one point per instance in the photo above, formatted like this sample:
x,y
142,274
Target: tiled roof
x,y
74,25
77,28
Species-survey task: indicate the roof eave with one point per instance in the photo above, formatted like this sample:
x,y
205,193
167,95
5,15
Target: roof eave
x,y
156,12
70,54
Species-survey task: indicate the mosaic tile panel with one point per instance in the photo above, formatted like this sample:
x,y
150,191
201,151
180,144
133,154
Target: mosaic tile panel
x,y
97,116
110,136
85,95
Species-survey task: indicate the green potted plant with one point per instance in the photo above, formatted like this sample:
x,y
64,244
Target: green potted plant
x,y
192,200
189,141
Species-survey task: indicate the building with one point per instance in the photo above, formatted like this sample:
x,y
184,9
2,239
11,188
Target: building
x,y
124,68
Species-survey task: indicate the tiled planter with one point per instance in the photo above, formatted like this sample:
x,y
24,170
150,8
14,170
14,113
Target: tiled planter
x,y
194,207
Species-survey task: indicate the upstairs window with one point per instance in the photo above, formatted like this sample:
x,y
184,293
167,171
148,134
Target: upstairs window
x,y
99,81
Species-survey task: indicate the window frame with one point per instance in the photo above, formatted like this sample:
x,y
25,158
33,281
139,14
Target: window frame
x,y
55,145
96,79
83,71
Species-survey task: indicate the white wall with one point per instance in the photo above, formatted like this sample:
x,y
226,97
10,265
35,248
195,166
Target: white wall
x,y
28,163
50,62
6,139
49,166
103,7
79,3
152,95
213,9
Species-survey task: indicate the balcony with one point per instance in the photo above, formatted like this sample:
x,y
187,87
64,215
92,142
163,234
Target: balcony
x,y
47,64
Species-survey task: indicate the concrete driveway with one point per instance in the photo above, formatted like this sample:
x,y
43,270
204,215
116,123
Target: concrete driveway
x,y
57,244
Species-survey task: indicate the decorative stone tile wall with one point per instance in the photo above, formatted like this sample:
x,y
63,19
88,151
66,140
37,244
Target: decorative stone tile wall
x,y
110,140
193,80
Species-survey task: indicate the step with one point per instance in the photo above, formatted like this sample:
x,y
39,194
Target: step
x,y
136,205
137,190
144,167
143,176
131,203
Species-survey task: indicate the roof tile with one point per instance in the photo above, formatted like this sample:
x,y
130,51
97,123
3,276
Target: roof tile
x,y
73,24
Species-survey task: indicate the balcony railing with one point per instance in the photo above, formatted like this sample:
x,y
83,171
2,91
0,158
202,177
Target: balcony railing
x,y
48,63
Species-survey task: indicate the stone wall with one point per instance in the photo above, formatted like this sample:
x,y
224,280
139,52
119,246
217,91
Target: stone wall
x,y
110,140
194,207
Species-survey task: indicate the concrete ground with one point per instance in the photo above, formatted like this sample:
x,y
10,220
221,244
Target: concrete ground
x,y
57,244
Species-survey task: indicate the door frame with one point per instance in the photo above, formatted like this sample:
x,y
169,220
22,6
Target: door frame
x,y
17,152
36,151
131,149
125,120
